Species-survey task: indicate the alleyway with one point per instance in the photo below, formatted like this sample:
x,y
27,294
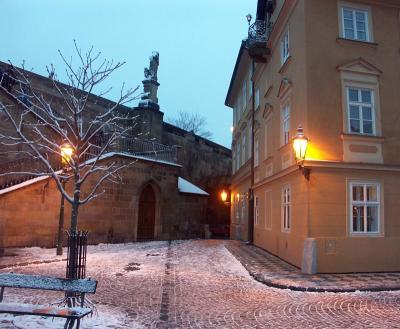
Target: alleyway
x,y
199,284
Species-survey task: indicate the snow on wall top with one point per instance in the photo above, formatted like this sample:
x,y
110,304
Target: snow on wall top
x,y
185,186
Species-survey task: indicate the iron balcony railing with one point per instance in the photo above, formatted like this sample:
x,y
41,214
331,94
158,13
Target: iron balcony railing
x,y
131,146
259,32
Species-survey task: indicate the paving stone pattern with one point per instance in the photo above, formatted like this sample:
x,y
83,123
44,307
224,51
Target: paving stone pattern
x,y
199,284
274,272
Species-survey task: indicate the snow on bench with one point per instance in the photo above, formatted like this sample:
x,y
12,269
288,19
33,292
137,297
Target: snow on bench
x,y
12,280
72,314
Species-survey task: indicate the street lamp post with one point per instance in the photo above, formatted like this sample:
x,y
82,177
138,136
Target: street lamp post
x,y
66,154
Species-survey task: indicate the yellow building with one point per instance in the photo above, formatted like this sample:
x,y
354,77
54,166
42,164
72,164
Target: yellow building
x,y
333,68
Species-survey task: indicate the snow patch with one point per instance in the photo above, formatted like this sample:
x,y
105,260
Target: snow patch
x,y
185,186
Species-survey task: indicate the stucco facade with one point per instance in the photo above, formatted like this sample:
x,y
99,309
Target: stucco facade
x,y
333,68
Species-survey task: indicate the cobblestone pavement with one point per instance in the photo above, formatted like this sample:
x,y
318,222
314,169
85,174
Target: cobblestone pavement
x,y
199,284
274,272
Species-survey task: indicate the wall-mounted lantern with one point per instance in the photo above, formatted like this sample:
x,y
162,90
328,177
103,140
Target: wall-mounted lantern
x,y
224,195
300,144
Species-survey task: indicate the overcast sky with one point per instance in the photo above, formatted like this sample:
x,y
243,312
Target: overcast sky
x,y
198,41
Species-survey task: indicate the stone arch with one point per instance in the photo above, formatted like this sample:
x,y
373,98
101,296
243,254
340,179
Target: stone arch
x,y
148,205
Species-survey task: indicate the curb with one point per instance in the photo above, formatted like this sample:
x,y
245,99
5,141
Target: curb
x,y
271,283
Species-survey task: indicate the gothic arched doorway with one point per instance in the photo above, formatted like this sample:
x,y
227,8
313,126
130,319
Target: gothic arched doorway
x,y
147,214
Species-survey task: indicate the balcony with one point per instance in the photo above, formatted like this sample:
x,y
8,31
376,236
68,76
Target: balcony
x,y
256,42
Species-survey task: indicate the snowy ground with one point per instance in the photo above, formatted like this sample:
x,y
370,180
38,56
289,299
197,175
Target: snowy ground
x,y
194,284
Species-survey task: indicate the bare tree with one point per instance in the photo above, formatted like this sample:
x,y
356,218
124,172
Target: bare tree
x,y
42,124
193,122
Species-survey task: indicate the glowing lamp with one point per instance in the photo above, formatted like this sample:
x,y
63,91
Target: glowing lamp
x,y
224,196
300,143
66,153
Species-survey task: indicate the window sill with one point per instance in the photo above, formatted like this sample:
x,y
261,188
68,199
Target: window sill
x,y
268,158
361,137
357,42
366,235
285,65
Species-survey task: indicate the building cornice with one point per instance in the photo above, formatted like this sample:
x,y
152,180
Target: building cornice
x,y
349,165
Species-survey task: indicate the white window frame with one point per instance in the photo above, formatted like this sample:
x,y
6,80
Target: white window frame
x,y
256,152
268,129
250,84
285,119
244,95
286,208
256,210
233,159
238,156
244,158
365,204
354,11
268,210
285,47
243,213
360,105
257,99
237,211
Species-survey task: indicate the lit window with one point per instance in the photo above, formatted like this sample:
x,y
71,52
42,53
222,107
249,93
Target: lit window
x,y
256,210
355,24
365,207
286,124
360,109
285,47
286,209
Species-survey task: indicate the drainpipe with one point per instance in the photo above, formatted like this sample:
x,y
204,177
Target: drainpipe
x,y
251,191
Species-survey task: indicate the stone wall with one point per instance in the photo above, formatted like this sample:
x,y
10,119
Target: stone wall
x,y
29,215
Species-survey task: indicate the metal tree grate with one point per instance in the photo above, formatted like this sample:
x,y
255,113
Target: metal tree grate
x,y
76,256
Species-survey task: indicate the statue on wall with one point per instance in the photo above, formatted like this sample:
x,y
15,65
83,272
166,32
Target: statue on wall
x,y
151,72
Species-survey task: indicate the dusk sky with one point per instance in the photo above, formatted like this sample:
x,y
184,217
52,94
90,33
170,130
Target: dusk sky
x,y
198,41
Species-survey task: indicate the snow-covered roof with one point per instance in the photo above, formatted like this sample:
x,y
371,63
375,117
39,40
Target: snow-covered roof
x,y
185,186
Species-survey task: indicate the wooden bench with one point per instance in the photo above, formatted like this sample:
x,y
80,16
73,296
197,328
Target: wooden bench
x,y
72,314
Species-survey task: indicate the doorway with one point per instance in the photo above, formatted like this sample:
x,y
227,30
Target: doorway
x,y
147,214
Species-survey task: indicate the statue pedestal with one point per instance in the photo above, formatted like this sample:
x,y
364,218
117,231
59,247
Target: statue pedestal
x,y
149,99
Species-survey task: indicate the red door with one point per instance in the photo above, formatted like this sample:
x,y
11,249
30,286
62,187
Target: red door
x,y
147,214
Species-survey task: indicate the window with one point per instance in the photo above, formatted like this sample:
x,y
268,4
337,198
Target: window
x,y
355,24
244,96
365,207
243,209
268,210
238,156
286,211
251,85
256,210
256,153
361,116
286,124
267,137
257,99
233,159
285,47
237,208
244,149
